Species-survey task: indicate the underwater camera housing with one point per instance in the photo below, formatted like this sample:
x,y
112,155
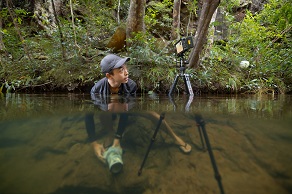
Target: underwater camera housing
x,y
183,45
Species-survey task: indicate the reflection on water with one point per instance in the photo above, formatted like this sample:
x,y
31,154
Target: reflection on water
x,y
21,105
44,147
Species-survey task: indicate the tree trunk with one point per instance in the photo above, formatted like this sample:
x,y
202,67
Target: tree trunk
x,y
118,12
176,19
208,9
44,14
73,27
60,30
135,21
211,36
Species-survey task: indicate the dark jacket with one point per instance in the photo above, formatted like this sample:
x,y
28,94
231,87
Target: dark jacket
x,y
102,87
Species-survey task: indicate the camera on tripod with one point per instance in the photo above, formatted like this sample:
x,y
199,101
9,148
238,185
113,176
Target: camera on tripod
x,y
183,45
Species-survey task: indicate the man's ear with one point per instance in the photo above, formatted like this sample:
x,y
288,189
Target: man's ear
x,y
108,75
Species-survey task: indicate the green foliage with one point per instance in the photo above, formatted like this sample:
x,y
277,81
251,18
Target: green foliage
x,y
264,41
158,18
20,14
229,5
277,15
5,17
151,64
193,7
95,24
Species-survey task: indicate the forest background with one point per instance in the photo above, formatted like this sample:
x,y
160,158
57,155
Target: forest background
x,y
56,46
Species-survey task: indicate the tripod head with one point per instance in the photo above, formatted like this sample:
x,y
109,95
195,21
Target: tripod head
x,y
183,45
181,63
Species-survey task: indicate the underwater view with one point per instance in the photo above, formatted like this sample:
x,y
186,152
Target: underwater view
x,y
202,145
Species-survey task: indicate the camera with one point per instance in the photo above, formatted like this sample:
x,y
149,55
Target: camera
x,y
183,45
113,157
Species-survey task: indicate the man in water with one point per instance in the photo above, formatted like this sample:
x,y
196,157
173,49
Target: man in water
x,y
117,83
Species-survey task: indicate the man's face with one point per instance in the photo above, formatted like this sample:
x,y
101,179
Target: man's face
x,y
120,75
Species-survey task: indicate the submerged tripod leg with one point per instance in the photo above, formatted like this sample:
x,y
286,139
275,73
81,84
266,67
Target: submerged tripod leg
x,y
201,124
152,140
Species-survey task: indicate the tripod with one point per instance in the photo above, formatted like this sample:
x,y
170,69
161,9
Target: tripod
x,y
186,77
205,142
152,141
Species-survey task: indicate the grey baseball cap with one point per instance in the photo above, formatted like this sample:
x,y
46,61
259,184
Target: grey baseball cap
x,y
111,62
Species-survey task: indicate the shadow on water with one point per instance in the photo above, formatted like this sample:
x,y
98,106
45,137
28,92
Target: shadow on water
x,y
44,146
